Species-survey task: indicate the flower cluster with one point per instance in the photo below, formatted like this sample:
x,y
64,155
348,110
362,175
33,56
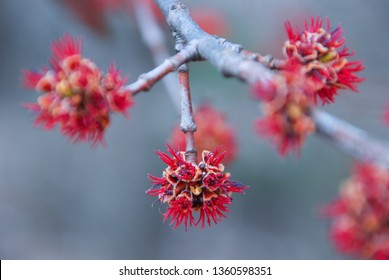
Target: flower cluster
x,y
360,225
75,95
209,134
317,66
325,59
286,119
187,187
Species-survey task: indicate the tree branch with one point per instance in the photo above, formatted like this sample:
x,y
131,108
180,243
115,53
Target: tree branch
x,y
350,139
188,125
147,80
226,59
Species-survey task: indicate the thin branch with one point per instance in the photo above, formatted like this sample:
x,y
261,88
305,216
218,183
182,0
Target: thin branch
x,y
147,80
350,139
188,125
154,39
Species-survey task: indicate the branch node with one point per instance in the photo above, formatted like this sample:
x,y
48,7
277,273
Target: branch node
x,y
178,5
145,81
183,68
227,44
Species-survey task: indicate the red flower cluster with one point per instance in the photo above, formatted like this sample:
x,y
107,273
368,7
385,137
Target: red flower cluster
x,y
360,225
209,134
286,119
317,66
76,96
324,57
188,187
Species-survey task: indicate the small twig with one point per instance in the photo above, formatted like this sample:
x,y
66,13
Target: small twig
x,y
147,80
187,125
350,139
267,60
154,39
271,62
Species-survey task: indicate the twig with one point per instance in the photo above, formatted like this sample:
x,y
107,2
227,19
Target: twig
x,y
187,125
147,80
267,60
350,139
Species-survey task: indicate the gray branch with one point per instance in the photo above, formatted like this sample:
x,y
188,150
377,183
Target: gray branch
x,y
147,80
350,139
188,125
228,60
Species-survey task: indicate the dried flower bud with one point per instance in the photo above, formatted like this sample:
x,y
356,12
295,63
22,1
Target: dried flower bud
x,y
187,187
286,111
325,59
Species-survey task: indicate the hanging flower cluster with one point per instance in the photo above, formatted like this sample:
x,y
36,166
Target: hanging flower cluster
x,y
325,59
317,66
360,216
187,187
286,120
209,134
75,95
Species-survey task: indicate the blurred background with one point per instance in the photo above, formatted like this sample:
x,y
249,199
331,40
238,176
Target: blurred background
x,y
60,200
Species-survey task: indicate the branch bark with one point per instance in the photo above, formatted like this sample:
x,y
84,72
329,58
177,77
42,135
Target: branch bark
x,y
147,80
188,125
350,139
227,60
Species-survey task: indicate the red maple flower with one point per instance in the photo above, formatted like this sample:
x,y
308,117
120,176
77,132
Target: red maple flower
x,y
286,108
75,95
326,61
212,131
360,216
187,187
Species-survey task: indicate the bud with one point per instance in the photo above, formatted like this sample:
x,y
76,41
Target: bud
x,y
187,187
325,59
360,215
286,111
75,94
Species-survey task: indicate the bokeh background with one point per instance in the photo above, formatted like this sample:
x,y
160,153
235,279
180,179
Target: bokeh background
x,y
65,201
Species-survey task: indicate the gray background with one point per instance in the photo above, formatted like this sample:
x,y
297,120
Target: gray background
x,y
64,201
